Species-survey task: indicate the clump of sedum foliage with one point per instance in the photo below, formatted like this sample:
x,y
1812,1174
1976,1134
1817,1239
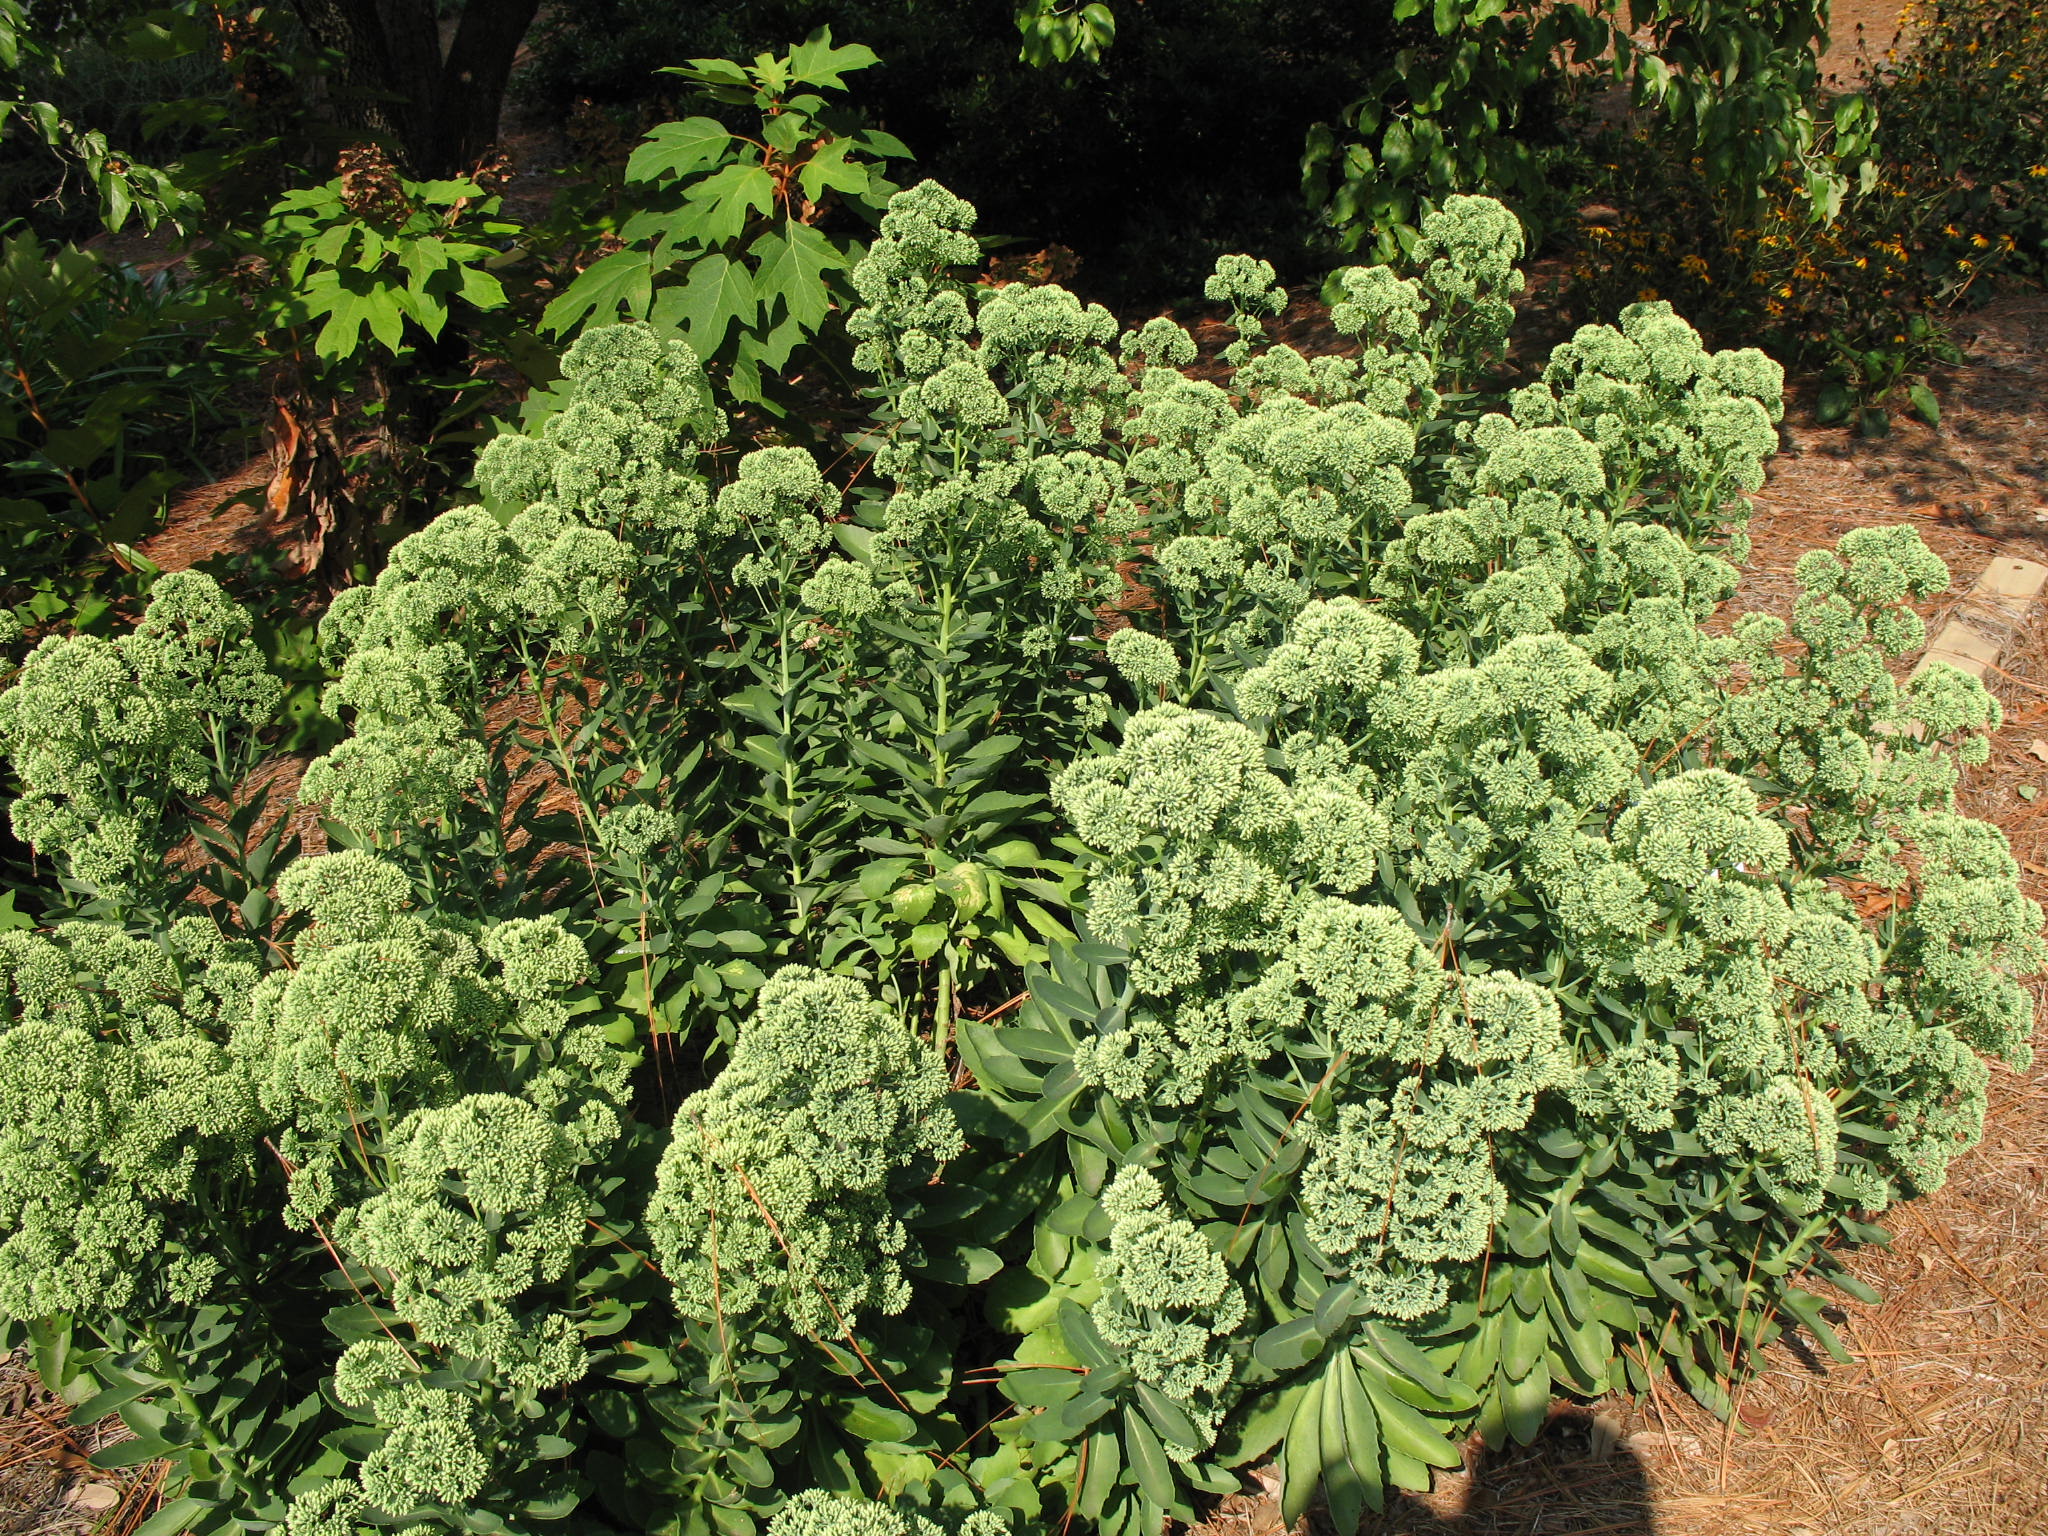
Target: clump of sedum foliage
x,y
1199,914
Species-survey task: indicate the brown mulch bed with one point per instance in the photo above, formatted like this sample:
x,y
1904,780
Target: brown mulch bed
x,y
46,1486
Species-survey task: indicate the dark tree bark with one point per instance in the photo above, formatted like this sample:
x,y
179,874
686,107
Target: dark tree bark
x,y
436,109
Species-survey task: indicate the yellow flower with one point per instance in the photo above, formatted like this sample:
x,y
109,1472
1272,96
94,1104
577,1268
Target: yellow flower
x,y
1982,242
2037,170
1648,295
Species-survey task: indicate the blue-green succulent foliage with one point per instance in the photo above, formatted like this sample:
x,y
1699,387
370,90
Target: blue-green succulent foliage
x,y
1184,913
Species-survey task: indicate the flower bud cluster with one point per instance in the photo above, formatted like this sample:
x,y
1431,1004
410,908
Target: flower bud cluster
x,y
772,1203
106,733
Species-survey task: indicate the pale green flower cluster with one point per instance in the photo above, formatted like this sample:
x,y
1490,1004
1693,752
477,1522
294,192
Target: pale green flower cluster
x,y
1540,543
1687,426
1237,892
378,998
1168,1303
1313,478
621,456
817,1513
1455,312
1248,886
1247,285
772,1202
480,1204
386,1008
1306,472
433,1451
1786,1131
913,322
1058,349
1146,661
1812,722
106,733
843,591
122,1118
606,490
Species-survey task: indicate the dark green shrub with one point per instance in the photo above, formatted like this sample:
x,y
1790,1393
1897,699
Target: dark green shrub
x,y
1957,198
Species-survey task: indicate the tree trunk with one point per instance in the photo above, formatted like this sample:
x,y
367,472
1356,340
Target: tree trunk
x,y
436,110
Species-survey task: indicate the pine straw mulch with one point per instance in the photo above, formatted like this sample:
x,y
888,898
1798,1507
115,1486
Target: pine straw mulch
x,y
42,1491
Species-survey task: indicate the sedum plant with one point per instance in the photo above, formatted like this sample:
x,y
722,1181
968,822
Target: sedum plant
x,y
1182,917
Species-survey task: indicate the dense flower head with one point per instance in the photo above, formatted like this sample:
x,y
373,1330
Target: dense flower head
x,y
1396,1191
479,1205
379,994
815,1512
772,1200
1145,660
1168,1302
1057,348
433,1451
1158,343
843,590
105,734
913,318
620,456
124,1116
590,515
1379,303
1751,1009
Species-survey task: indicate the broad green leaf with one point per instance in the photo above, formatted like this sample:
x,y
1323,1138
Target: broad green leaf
x,y
10,917
717,292
773,350
1301,1453
481,288
176,1517
793,261
623,280
875,142
133,1453
1148,1459
829,168
349,311
870,1421
1289,1344
1099,1476
678,149
1405,1429
815,61
723,200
